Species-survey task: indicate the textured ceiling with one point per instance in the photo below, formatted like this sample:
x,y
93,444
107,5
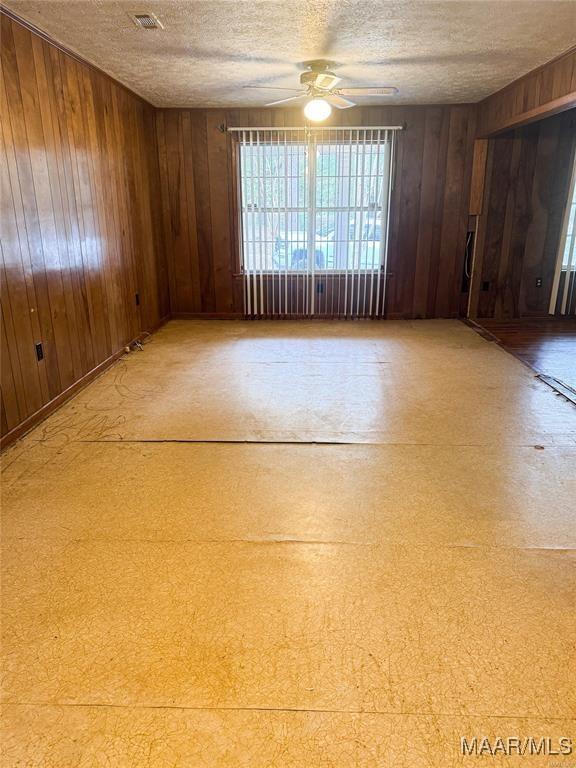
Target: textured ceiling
x,y
434,52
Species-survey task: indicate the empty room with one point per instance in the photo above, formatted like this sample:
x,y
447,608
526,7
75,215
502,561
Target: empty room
x,y
288,376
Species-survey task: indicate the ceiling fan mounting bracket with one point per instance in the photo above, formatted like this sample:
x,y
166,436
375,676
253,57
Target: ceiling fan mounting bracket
x,y
319,65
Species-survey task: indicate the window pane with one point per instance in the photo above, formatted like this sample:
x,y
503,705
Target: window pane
x,y
570,235
349,190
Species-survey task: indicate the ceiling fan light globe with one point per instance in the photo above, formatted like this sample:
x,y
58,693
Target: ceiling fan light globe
x,y
317,110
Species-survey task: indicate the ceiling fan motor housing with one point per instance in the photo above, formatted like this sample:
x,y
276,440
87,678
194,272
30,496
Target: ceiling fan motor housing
x,y
324,80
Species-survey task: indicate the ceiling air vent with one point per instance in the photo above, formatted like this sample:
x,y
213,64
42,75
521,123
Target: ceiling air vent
x,y
146,21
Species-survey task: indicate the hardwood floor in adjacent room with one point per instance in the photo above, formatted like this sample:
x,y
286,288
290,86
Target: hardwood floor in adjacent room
x,y
548,345
292,544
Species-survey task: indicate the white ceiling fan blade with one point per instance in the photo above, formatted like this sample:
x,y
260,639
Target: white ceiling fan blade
x,y
338,101
285,101
387,90
272,88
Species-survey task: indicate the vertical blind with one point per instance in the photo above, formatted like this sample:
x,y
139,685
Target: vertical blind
x,y
314,220
563,298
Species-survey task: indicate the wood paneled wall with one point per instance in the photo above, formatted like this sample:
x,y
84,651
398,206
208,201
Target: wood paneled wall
x,y
81,234
429,205
539,94
527,180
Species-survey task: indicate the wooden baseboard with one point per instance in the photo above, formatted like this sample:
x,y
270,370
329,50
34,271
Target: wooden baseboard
x,y
34,419
240,316
207,316
277,318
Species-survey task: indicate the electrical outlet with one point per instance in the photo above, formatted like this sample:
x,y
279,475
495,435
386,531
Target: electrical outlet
x,y
137,297
319,287
39,352
538,282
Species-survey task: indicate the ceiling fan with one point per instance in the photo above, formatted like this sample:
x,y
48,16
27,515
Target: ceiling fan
x,y
320,90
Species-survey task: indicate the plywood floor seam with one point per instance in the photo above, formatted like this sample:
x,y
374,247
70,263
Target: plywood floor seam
x,y
197,573
279,710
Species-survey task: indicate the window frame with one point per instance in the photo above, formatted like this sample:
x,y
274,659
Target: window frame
x,y
563,270
294,136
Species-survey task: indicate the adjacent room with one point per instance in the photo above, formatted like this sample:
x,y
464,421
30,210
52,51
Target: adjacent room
x,y
288,376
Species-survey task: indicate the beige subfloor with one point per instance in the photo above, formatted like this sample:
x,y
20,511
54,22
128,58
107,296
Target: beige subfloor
x,y
276,545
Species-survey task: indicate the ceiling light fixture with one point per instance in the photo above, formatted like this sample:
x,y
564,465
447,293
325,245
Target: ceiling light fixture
x,y
317,109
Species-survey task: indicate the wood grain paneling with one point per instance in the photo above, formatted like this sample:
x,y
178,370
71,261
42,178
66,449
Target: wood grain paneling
x,y
478,177
80,218
527,181
539,94
429,208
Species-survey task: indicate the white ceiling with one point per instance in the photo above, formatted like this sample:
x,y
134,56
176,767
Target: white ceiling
x,y
434,52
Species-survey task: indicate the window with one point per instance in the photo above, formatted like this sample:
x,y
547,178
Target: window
x,y
314,200
563,295
569,235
